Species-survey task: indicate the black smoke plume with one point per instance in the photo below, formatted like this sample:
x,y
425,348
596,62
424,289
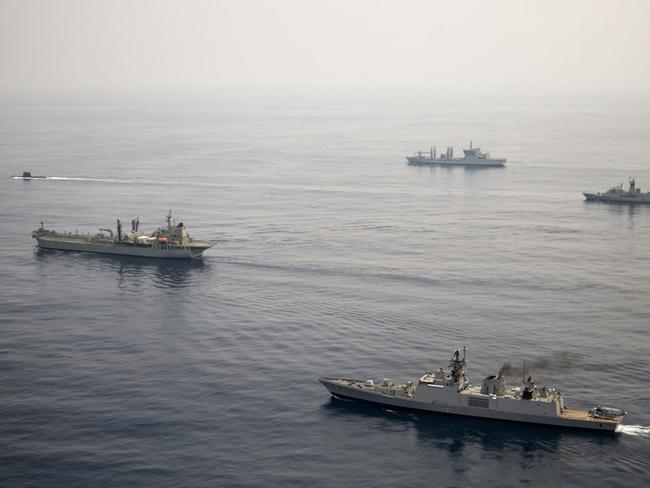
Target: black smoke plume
x,y
561,362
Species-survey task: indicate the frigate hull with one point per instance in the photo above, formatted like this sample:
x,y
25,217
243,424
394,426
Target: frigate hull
x,y
570,418
594,197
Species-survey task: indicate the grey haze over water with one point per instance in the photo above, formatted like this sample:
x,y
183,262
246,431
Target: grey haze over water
x,y
334,257
469,46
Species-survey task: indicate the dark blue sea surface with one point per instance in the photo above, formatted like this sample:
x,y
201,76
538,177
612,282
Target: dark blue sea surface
x,y
334,258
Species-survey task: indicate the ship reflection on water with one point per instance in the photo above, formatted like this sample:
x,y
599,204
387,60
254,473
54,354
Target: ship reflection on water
x,y
456,434
164,274
132,271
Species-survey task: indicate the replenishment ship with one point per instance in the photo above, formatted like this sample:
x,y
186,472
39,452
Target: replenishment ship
x,y
472,157
618,195
169,242
449,391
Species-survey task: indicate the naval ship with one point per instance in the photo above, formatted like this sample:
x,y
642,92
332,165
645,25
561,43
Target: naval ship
x,y
28,176
618,195
473,157
449,391
169,242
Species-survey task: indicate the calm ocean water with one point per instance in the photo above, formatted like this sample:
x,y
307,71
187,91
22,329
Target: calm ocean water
x,y
334,257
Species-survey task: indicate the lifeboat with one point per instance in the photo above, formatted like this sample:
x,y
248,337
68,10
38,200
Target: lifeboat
x,y
163,240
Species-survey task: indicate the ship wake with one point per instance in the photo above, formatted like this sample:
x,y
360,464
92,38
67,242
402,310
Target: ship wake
x,y
635,430
78,178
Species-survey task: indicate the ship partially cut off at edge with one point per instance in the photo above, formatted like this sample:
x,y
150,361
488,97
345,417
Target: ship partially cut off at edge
x,y
632,195
169,242
449,391
472,157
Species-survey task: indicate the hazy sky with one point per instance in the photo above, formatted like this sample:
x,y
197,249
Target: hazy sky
x,y
518,45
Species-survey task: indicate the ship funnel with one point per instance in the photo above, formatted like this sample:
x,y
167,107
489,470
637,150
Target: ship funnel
x,y
493,385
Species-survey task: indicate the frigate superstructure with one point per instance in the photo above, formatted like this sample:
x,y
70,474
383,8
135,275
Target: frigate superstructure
x,y
617,194
169,242
472,157
449,391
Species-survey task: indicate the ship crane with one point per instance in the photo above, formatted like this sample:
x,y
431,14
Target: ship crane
x,y
135,223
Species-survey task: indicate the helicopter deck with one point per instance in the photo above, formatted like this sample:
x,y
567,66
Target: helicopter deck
x,y
583,415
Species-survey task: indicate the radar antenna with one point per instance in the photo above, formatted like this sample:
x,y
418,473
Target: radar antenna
x,y
457,366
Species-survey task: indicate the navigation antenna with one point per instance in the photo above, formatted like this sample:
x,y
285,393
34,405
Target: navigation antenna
x,y
524,371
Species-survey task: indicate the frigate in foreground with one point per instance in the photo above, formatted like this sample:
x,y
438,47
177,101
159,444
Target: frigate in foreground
x,y
472,157
618,195
169,242
449,391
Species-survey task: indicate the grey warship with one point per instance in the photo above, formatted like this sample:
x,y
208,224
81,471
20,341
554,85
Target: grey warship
x,y
617,195
169,242
472,157
449,391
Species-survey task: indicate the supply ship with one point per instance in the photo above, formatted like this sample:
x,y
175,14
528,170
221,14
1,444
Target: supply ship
x,y
449,391
472,157
169,242
618,195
